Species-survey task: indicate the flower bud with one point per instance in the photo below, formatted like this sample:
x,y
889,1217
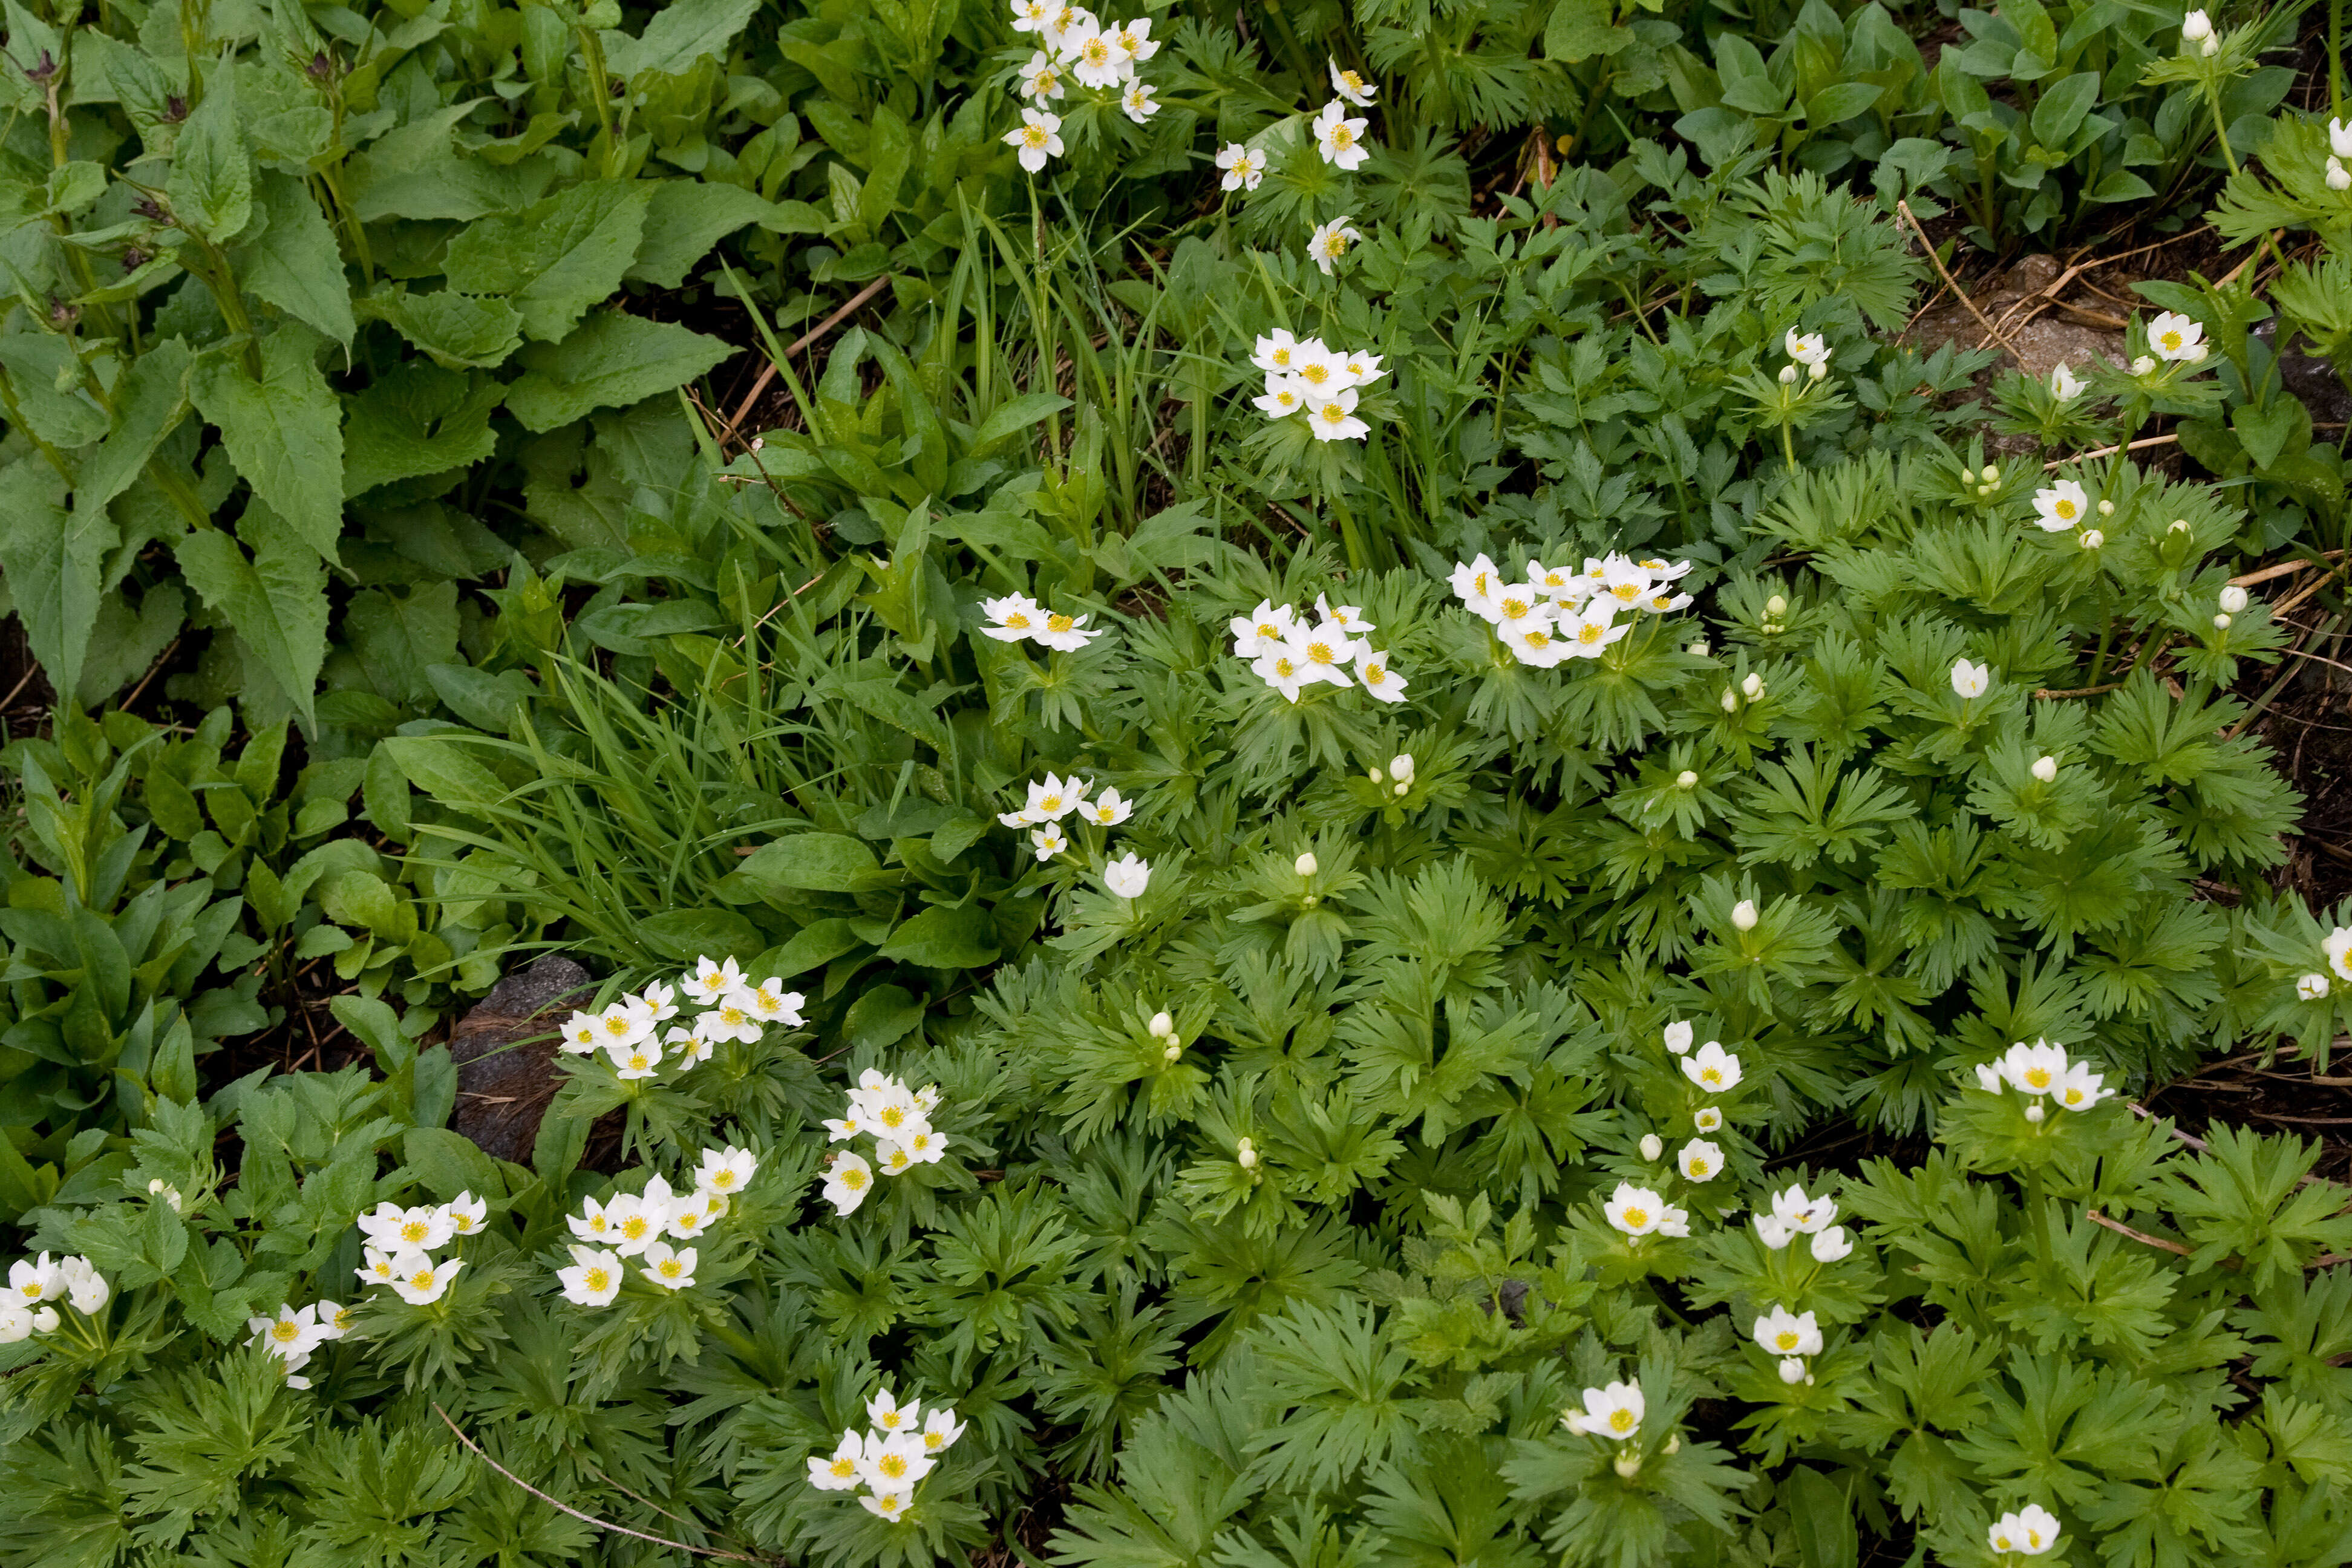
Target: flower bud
x,y
1793,1371
2312,987
1984,491
2046,768
1991,474
2093,539
1708,1119
2196,27
1698,649
2033,1112
1653,1146
1787,375
2338,178
1686,779
1753,686
2179,525
1673,1445
1172,1052
1776,606
2233,599
2106,509
1730,702
1375,776
2209,47
1245,1156
2221,623
1402,766
1404,789
1305,865
1627,1464
1817,370
1743,914
1162,1026
2142,365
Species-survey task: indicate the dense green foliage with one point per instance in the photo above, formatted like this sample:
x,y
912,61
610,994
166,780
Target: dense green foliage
x,y
372,386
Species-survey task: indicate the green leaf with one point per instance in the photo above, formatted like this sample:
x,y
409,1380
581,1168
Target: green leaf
x,y
678,35
448,1163
945,938
150,401
276,601
612,361
295,263
2062,107
1578,30
420,419
1839,102
1009,419
686,217
53,559
554,258
815,862
458,330
283,432
35,363
210,189
684,935
1826,1537
442,768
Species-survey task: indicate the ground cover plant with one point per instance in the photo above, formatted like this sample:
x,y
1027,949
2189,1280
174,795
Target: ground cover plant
x,y
1267,732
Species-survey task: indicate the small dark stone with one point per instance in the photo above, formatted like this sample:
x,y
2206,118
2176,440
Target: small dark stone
x,y
1513,1297
504,1085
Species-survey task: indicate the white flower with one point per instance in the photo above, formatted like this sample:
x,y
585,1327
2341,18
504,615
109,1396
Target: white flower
x,y
2046,768
709,981
1638,1212
1385,684
2033,1529
1476,582
1707,1118
920,1146
1243,169
1283,669
1776,1232
1013,618
843,1471
1613,1412
1832,1245
1263,630
770,1003
581,1034
1067,634
2060,506
624,1022
640,1060
730,1020
890,1417
1588,633
685,1047
1785,1334
1280,353
1969,680
1127,876
335,1320
1806,348
1678,1037
847,1185
1713,1068
419,1280
891,1506
2337,946
1284,396
636,1223
1036,137
2339,138
1400,766
292,1333
727,1170
1339,139
1538,643
2233,599
660,1002
1363,369
1136,101
672,1270
896,1463
1041,79
426,1228
940,1430
1359,92
1134,38
2062,385
1095,60
1799,1213
2033,1070
1329,242
1325,649
593,1278
31,1283
1048,842
1700,1161
466,1213
1653,1146
376,1269
159,1188
2175,337
1752,686
2079,1089
1744,915
1161,1027
892,1112
2196,27
2312,987
1066,26
1053,797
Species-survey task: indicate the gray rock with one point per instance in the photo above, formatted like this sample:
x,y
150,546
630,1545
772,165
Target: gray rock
x,y
505,1052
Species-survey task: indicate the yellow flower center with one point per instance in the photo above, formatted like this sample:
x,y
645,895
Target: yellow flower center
x,y
1537,639
617,1027
1710,1075
1333,412
1637,1216
1621,1420
2033,1538
892,1117
853,1180
1033,136
343,1317
844,1469
284,1332
421,1280
413,1231
634,1227
671,1268
891,1420
596,1279
1627,591
1320,652
2038,1077
1352,81
1316,374
1374,674
723,1179
1017,621
2170,340
598,1224
1341,138
731,1015
1698,1167
1513,609
1785,1340
1282,359
636,1061
934,1439
893,1465
1058,623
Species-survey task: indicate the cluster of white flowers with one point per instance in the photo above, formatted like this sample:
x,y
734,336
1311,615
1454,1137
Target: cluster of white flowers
x,y
643,1224
2066,506
34,1283
1808,349
890,1460
1612,1413
1638,1212
2033,1530
2177,340
736,1010
1077,48
1290,652
1305,377
1557,613
2337,949
1713,1070
1017,617
401,1243
2042,1068
296,1332
899,1121
2197,30
1795,1338
1055,797
2339,147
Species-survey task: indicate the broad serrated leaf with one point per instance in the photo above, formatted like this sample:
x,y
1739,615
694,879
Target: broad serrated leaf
x,y
420,419
283,432
294,264
150,401
612,361
554,258
53,559
276,600
677,37
686,218
459,330
211,184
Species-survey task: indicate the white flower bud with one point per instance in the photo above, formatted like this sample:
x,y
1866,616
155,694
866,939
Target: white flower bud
x,y
1706,1120
1305,865
1698,649
1375,775
1793,1371
1730,702
2209,47
2142,365
1984,491
2312,987
1402,766
2221,623
2046,768
1686,780
2179,525
1162,1026
2093,539
1817,370
1404,789
1245,1156
1991,474
1753,686
2233,599
1787,375
1776,606
1653,1146
1172,1052
2033,1112
2106,509
1674,1444
2338,178
1743,914
1627,1464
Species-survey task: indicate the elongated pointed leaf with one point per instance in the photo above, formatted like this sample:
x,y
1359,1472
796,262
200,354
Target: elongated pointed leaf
x,y
296,264
283,432
554,258
276,600
53,559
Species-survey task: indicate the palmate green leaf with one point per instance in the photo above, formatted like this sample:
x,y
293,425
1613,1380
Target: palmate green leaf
x,y
612,361
52,559
295,263
556,257
275,599
284,432
1336,1378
